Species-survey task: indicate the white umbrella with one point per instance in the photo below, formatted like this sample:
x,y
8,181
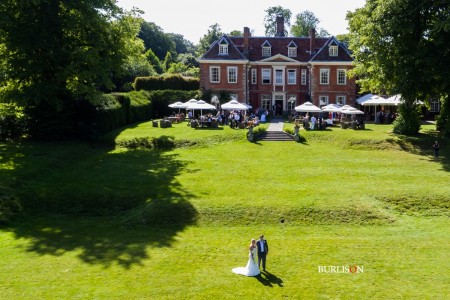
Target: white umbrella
x,y
377,100
200,105
350,110
178,105
234,105
307,107
189,102
331,108
365,98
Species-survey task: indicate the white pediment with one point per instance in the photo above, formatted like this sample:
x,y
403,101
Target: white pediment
x,y
278,58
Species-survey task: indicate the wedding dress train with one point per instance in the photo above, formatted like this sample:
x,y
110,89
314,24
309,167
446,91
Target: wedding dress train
x,y
251,269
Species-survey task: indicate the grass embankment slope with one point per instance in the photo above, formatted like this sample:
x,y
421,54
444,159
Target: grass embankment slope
x,y
139,223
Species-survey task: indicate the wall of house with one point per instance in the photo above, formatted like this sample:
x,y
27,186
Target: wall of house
x,y
237,88
332,90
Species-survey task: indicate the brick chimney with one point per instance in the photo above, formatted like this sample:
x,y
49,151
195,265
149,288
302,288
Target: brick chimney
x,y
280,26
312,41
246,38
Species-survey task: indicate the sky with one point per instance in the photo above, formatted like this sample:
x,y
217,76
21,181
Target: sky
x,y
193,18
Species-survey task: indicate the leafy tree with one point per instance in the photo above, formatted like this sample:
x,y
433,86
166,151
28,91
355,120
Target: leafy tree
x,y
344,38
304,21
58,53
154,38
181,44
214,33
270,20
168,60
188,60
401,47
154,61
236,33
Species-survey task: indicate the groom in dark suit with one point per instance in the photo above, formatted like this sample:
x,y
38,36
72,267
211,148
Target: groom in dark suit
x,y
263,250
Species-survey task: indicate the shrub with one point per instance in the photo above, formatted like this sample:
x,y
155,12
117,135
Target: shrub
x,y
171,82
12,122
407,122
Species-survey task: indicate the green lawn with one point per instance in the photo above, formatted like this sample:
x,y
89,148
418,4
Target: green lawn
x,y
105,222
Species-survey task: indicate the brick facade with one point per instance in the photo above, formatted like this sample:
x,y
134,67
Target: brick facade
x,y
284,71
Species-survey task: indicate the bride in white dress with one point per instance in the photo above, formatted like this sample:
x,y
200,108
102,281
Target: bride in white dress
x,y
251,269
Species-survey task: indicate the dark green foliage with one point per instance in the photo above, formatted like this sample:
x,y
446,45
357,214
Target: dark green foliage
x,y
443,120
154,61
172,82
55,54
162,98
154,38
120,109
400,47
407,121
12,122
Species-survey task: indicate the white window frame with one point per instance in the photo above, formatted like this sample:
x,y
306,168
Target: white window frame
x,y
324,99
266,101
223,49
292,51
232,73
324,76
292,99
341,100
266,51
213,75
341,79
254,76
303,80
333,50
292,79
266,74
278,76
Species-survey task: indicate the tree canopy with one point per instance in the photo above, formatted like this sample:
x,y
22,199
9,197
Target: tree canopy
x,y
213,34
154,38
58,52
270,20
305,21
400,47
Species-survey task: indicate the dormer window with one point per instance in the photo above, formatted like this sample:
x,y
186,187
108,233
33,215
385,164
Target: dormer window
x,y
223,47
292,49
333,50
266,49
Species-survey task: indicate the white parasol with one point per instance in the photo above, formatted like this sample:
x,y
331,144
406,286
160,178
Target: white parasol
x,y
307,107
234,105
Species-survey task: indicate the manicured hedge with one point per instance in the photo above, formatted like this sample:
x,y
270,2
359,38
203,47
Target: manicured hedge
x,y
173,82
119,109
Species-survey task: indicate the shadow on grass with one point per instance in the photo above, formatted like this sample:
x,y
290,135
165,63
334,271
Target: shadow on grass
x,y
107,206
422,144
269,279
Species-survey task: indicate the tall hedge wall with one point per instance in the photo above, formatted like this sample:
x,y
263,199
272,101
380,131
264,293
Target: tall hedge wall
x,y
119,109
173,82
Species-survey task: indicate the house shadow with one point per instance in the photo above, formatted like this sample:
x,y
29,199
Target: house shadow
x,y
268,279
106,206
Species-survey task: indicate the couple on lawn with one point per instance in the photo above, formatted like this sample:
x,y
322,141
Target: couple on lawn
x,y
251,269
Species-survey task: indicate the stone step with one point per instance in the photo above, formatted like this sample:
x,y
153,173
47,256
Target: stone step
x,y
275,136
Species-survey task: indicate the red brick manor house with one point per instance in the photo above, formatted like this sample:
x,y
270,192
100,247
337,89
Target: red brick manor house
x,y
279,71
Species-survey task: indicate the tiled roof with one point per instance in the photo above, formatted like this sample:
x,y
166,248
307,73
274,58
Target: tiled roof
x,y
279,46
233,52
323,54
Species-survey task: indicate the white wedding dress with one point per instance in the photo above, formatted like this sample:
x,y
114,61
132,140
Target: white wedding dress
x,y
251,269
